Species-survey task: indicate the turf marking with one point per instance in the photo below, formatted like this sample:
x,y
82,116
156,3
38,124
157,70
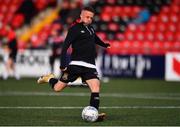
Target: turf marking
x,y
71,107
160,96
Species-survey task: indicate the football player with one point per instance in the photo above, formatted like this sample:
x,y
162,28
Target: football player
x,y
83,39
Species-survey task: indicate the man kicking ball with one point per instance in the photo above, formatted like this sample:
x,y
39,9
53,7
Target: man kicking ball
x,y
83,39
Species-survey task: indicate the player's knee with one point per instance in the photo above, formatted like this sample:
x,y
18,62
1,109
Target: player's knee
x,y
94,85
95,88
56,89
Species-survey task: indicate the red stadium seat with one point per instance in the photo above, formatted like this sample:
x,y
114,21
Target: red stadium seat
x,y
161,27
174,18
117,10
107,9
176,46
163,18
136,10
106,17
165,9
146,47
132,27
169,36
139,36
159,36
119,36
102,35
115,45
18,21
175,8
177,36
113,27
151,27
149,36
129,35
141,27
153,19
172,27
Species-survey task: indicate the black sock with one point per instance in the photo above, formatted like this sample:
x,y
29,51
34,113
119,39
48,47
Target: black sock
x,y
52,82
94,101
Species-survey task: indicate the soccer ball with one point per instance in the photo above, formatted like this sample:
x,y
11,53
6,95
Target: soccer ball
x,y
89,114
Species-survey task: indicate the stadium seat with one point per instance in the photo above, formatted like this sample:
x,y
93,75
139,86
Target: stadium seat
x,y
102,35
113,27
119,36
106,17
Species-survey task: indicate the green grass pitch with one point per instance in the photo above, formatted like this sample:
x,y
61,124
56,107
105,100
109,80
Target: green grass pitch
x,y
127,102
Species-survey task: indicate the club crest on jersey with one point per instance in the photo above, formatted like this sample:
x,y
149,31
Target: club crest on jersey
x,y
96,73
82,31
65,76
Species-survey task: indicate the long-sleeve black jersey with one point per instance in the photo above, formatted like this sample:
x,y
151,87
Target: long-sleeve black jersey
x,y
83,40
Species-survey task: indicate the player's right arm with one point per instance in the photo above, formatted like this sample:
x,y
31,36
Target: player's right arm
x,y
100,42
71,35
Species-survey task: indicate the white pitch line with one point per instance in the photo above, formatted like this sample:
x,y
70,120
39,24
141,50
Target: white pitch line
x,y
111,107
159,96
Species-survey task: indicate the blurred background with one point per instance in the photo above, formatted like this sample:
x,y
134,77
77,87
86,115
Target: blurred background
x,y
144,37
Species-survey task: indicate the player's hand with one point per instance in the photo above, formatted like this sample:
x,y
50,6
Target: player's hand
x,y
63,69
108,45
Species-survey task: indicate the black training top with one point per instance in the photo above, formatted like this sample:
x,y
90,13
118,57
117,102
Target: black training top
x,y
83,39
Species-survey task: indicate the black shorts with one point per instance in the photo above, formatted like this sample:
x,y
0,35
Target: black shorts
x,y
74,71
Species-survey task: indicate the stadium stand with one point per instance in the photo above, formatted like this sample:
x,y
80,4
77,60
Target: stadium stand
x,y
158,34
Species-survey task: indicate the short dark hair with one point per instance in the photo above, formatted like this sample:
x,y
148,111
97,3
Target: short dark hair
x,y
89,8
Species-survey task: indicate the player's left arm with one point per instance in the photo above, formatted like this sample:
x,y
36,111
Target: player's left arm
x,y
100,42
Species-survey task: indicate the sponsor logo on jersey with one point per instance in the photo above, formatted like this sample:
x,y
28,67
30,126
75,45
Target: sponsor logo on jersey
x,y
82,31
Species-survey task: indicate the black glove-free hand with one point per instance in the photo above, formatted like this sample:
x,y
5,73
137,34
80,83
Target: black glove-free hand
x,y
108,45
